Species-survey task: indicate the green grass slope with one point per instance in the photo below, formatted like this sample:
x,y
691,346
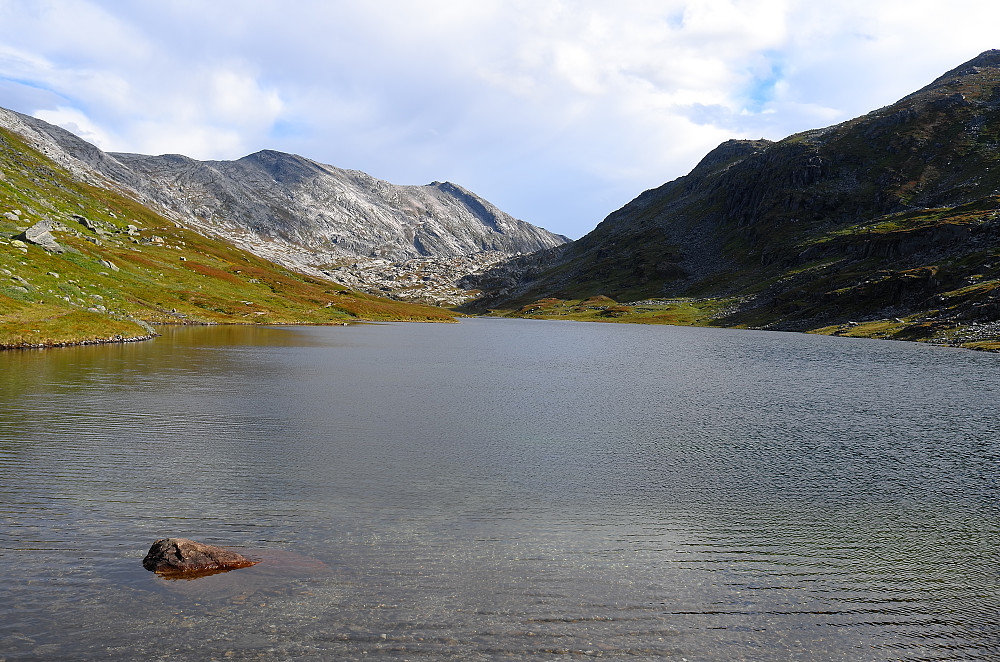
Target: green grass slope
x,y
112,281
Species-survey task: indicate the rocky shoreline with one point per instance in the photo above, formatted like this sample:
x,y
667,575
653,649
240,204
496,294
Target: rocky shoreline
x,y
76,343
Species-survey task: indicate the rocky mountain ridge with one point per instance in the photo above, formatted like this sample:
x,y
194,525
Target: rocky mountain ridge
x,y
306,215
83,264
888,221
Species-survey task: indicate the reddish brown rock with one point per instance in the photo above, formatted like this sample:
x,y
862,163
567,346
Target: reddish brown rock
x,y
180,556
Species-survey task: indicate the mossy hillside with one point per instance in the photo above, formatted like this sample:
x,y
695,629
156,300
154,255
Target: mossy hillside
x,y
157,271
636,268
888,225
930,276
680,312
942,263
48,325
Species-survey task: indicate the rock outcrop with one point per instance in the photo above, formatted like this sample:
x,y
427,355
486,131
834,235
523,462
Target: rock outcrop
x,y
186,558
40,234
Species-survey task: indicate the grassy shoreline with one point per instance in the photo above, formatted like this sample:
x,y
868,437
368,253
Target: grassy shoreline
x,y
711,312
45,338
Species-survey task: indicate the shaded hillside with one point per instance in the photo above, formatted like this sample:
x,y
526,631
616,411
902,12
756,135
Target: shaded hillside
x,y
81,263
890,216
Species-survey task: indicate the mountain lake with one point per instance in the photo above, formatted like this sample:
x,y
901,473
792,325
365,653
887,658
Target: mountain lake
x,y
502,489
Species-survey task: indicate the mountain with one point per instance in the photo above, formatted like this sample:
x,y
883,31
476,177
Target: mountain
x,y
311,217
885,225
82,263
334,212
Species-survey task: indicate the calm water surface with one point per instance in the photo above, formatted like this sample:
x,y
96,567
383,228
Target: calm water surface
x,y
503,489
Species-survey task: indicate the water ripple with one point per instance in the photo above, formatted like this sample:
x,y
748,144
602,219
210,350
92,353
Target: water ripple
x,y
504,489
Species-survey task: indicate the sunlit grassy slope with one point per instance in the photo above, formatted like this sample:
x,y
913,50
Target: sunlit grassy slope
x,y
112,281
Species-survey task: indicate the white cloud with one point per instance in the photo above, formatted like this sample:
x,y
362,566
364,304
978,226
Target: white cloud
x,y
210,114
238,97
76,122
195,139
589,100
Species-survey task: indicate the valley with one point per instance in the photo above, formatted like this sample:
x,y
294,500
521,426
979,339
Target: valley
x,y
884,226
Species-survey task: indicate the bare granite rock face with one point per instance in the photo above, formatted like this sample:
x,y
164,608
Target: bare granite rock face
x,y
184,557
323,210
309,216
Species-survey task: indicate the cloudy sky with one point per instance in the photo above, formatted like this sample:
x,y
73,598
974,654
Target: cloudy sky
x,y
558,112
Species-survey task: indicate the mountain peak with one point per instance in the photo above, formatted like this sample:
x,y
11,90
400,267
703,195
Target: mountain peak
x,y
282,166
986,60
990,58
729,152
271,155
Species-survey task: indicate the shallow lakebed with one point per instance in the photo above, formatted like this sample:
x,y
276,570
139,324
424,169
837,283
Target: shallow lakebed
x,y
502,489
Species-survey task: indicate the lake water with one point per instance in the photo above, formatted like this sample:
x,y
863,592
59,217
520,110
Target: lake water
x,y
503,489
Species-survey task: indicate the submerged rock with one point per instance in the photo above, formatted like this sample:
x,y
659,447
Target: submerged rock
x,y
180,556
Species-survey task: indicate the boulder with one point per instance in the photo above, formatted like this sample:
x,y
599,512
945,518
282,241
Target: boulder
x,y
40,235
85,222
180,556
